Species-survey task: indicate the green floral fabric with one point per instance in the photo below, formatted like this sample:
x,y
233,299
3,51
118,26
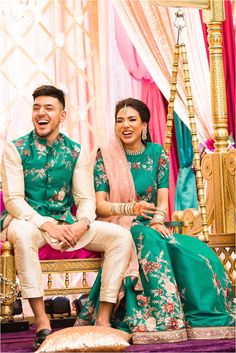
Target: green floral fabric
x,y
184,283
44,167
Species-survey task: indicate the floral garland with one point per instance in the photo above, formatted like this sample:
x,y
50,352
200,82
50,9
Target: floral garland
x,y
210,147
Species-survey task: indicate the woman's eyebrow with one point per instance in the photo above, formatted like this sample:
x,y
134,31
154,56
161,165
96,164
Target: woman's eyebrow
x,y
131,116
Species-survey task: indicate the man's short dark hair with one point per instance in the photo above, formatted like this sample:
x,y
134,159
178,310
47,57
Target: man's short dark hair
x,y
51,91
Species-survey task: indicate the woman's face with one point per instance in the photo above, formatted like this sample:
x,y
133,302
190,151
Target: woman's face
x,y
129,127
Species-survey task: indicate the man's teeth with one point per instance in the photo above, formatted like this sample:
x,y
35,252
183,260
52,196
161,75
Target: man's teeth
x,y
42,122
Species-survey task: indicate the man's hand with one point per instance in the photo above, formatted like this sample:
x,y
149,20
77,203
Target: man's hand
x,y
78,229
61,232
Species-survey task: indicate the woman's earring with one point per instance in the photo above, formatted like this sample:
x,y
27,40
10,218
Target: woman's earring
x,y
144,134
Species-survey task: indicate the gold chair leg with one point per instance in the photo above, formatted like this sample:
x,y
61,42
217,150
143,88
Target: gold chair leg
x,y
8,285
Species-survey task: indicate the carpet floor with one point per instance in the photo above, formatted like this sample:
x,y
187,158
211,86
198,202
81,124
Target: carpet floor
x,y
22,342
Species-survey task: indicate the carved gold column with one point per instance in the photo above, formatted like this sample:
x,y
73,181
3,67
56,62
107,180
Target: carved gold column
x,y
214,19
222,161
8,281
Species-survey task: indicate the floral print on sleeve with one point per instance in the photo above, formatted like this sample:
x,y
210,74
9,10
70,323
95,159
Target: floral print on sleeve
x,y
100,176
163,170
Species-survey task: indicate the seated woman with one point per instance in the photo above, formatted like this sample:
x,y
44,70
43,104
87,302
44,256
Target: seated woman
x,y
185,292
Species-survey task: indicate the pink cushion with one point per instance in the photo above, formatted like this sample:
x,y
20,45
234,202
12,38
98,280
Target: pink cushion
x,y
48,253
2,206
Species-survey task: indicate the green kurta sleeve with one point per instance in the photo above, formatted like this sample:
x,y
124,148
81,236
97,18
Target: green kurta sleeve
x,y
100,178
163,171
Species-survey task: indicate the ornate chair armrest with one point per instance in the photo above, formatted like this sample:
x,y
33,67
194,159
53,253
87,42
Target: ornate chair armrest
x,y
176,225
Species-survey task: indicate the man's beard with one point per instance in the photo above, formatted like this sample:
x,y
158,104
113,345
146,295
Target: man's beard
x,y
44,134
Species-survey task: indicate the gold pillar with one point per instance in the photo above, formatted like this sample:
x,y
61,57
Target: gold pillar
x,y
8,281
222,161
214,19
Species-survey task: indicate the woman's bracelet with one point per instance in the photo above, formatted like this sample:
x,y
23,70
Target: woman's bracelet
x,y
124,209
159,217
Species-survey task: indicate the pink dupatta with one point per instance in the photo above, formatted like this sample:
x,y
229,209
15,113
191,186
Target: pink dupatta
x,y
121,190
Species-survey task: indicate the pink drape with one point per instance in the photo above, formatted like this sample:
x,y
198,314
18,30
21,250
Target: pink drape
x,y
228,43
229,65
154,99
46,252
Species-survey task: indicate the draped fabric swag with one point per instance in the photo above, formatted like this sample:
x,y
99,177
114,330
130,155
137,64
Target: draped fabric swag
x,y
153,34
158,106
152,96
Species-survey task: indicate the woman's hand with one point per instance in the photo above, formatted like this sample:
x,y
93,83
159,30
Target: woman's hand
x,y
144,209
161,228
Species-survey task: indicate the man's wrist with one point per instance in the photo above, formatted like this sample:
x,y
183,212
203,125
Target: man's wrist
x,y
45,225
87,222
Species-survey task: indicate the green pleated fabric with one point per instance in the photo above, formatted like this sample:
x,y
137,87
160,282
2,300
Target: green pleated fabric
x,y
186,190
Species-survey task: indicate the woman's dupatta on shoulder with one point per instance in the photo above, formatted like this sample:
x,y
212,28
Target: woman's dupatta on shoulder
x,y
121,190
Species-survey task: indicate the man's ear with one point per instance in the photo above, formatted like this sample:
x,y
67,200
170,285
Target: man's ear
x,y
63,116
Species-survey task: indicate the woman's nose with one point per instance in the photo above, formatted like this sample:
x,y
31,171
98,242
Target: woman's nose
x,y
126,123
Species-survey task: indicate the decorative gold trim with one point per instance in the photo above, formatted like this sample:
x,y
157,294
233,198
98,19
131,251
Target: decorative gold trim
x,y
159,336
66,291
72,265
203,4
222,240
209,333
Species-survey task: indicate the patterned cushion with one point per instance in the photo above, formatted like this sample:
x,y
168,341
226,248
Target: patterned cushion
x,y
86,339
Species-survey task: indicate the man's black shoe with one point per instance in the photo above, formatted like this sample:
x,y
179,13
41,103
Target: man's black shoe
x,y
40,337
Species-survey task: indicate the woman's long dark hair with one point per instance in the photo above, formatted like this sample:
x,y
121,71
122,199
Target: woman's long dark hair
x,y
141,108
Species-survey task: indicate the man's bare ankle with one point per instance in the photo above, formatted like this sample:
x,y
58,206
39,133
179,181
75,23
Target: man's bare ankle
x,y
42,323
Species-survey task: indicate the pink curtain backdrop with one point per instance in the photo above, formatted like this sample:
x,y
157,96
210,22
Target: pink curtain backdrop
x,y
153,97
229,62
